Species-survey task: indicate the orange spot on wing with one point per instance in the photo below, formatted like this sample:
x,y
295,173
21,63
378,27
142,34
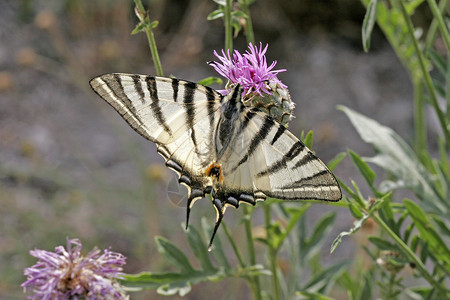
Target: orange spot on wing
x,y
214,170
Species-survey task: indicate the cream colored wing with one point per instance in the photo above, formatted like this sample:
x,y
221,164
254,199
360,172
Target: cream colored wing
x,y
179,116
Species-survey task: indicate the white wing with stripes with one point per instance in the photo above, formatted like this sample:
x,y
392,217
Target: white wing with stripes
x,y
179,116
217,145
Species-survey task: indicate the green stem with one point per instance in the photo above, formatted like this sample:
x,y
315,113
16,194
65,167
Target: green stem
x,y
249,25
142,15
419,118
411,256
425,73
233,244
228,26
251,280
438,17
433,27
272,255
390,289
251,249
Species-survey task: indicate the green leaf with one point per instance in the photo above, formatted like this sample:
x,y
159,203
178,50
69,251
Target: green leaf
x,y
398,159
356,226
139,27
412,5
381,243
367,287
199,248
323,280
438,61
295,213
368,23
427,232
355,211
173,254
217,14
182,288
313,244
217,250
387,215
358,223
312,295
210,80
154,24
308,140
220,2
336,160
368,174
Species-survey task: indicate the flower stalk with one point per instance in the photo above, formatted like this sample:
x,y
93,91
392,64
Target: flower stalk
x,y
144,19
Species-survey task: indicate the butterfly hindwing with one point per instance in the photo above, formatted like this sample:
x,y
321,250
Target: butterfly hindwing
x,y
267,159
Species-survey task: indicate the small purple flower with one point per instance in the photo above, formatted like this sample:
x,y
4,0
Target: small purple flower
x,y
66,274
250,70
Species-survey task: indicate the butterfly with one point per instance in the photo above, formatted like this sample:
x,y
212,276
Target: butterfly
x,y
216,144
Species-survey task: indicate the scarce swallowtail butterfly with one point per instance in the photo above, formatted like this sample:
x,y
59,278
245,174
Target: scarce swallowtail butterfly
x,y
216,144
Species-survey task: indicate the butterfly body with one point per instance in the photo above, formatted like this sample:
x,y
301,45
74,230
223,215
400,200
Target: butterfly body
x,y
216,144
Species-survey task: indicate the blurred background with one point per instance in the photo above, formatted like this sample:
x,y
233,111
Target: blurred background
x,y
71,167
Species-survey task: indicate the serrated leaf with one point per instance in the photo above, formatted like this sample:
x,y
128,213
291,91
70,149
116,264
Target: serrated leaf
x,y
397,158
174,255
368,23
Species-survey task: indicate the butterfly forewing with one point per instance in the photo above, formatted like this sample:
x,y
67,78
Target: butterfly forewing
x,y
179,116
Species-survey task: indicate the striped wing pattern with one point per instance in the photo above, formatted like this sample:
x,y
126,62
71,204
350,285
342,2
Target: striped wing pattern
x,y
197,129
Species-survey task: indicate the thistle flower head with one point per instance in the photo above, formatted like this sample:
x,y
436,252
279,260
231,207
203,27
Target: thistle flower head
x,y
250,70
66,274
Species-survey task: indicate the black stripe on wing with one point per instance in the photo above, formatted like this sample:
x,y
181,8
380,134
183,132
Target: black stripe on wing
x,y
154,105
188,101
295,150
138,87
257,139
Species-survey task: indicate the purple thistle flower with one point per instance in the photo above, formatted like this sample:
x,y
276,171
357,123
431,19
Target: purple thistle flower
x,y
66,274
250,70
